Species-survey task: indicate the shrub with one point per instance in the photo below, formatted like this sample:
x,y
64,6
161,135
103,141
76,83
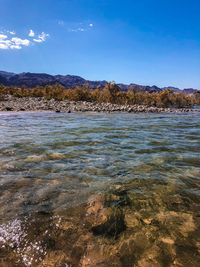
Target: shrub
x,y
110,93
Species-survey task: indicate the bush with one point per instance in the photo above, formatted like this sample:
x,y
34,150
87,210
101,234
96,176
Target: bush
x,y
110,93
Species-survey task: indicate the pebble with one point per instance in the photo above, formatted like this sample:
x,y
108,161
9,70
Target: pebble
x,y
12,103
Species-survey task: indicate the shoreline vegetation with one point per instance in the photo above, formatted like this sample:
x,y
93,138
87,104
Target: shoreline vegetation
x,y
83,99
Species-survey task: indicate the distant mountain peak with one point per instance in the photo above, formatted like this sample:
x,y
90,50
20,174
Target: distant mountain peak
x,y
29,79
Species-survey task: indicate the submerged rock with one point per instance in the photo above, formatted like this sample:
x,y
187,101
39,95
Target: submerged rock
x,y
56,156
132,219
180,223
113,225
108,221
55,259
130,225
35,158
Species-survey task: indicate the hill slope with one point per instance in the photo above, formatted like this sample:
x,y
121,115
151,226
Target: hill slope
x,y
27,79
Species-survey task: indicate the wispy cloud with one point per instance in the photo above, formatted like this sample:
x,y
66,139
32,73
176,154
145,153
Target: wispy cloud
x,y
7,41
31,33
76,27
61,23
41,37
82,27
11,32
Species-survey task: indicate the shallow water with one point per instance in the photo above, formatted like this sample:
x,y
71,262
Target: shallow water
x,y
147,165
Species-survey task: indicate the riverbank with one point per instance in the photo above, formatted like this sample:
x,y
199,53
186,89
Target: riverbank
x,y
11,103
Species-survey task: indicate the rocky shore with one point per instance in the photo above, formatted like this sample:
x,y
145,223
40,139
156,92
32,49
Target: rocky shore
x,y
11,103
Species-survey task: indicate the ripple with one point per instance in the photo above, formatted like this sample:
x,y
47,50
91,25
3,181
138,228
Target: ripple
x,y
146,166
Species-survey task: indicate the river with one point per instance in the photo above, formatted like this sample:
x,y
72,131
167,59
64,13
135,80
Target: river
x,y
53,164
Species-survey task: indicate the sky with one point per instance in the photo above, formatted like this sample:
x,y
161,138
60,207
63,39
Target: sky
x,y
149,42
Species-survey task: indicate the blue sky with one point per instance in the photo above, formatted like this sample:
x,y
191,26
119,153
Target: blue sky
x,y
140,41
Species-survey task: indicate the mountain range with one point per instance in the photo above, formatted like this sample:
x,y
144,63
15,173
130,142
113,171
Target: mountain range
x,y
31,80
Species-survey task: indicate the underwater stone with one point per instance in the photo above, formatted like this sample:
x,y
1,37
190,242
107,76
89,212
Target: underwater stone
x,y
113,225
107,221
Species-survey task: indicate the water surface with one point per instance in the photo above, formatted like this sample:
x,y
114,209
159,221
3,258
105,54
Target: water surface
x,y
145,167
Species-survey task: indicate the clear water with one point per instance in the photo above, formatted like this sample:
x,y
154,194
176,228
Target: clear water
x,y
51,164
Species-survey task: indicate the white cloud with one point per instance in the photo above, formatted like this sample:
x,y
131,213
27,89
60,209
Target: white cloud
x,y
3,46
81,27
20,42
77,30
14,46
9,42
3,36
12,32
31,33
13,43
41,37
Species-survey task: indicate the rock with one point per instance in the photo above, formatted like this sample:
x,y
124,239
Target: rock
x,y
95,204
11,103
8,109
54,259
108,221
56,156
147,221
150,258
167,240
132,220
35,158
112,224
179,222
